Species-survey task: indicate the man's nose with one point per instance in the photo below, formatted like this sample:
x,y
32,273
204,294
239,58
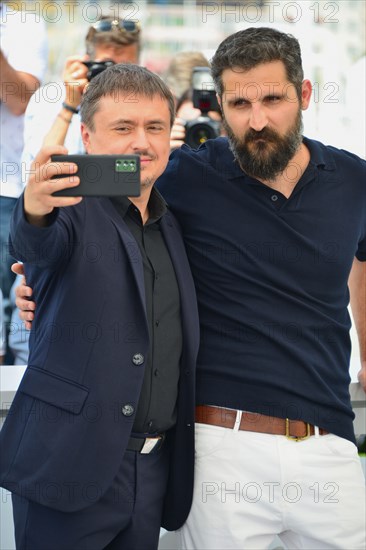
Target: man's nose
x,y
140,139
258,118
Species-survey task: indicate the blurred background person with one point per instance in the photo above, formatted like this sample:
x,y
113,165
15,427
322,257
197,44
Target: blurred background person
x,y
52,115
2,332
179,77
23,63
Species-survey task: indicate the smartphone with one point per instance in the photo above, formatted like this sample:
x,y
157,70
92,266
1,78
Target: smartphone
x,y
102,175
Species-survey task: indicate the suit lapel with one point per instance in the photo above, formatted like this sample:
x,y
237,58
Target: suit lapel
x,y
187,291
130,245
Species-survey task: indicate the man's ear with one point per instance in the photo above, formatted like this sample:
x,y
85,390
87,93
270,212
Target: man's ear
x,y
306,90
85,136
219,101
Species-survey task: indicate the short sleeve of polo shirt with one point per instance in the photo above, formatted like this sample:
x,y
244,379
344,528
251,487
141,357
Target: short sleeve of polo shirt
x,y
30,54
361,250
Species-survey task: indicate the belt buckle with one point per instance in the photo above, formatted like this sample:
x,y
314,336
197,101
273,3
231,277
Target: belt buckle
x,y
151,444
295,437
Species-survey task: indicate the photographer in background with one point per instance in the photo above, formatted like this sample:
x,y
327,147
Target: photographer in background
x,y
51,120
178,77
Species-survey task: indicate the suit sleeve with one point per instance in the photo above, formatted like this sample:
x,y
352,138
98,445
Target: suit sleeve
x,y
45,247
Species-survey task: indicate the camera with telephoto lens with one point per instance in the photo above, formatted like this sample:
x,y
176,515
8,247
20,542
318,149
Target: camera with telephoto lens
x,y
203,127
96,67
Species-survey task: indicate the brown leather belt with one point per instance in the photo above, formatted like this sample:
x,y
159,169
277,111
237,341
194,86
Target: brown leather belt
x,y
254,422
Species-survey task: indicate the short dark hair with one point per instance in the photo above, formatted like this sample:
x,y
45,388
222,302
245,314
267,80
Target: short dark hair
x,y
178,75
123,78
117,35
250,47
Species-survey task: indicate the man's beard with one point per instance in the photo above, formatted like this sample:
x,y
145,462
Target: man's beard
x,y
265,160
146,181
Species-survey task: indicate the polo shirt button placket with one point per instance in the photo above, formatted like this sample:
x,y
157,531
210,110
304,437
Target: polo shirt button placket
x,y
276,201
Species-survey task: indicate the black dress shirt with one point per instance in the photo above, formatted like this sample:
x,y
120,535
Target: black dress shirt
x,y
156,411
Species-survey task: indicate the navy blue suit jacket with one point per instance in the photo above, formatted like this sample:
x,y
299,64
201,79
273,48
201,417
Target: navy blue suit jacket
x,y
67,428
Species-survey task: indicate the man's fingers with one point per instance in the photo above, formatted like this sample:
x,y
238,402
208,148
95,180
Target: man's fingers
x,y
25,305
178,131
52,183
27,316
17,268
178,134
22,291
175,143
54,169
57,184
49,178
44,154
60,202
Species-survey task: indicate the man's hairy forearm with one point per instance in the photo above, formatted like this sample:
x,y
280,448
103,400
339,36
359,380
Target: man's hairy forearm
x,y
357,286
16,88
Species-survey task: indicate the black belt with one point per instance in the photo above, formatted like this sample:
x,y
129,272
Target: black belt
x,y
146,445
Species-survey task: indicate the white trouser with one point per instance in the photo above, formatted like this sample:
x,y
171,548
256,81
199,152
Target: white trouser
x,y
250,487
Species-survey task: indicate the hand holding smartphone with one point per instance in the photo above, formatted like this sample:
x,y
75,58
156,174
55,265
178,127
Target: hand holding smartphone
x,y
102,175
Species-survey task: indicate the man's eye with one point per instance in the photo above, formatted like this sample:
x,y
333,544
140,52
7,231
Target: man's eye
x,y
273,99
240,103
155,128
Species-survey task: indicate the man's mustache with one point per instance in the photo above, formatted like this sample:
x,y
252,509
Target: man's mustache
x,y
145,155
267,134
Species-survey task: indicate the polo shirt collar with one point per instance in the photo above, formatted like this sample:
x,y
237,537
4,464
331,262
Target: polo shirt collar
x,y
319,154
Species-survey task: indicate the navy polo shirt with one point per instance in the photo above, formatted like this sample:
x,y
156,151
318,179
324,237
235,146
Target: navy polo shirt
x,y
271,278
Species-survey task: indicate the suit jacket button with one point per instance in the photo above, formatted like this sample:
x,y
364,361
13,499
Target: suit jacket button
x,y
128,409
138,359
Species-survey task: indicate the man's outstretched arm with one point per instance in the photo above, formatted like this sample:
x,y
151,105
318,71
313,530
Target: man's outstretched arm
x,y
357,287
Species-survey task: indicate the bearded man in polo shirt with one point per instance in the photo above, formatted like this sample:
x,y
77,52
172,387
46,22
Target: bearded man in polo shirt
x,y
273,223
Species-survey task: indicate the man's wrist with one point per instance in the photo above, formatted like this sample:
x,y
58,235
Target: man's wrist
x,y
66,118
70,108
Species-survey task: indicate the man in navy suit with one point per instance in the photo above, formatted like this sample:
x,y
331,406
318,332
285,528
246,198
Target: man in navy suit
x,y
98,444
